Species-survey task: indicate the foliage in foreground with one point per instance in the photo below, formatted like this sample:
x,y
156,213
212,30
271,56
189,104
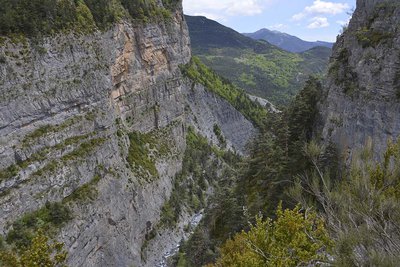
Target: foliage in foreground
x,y
293,239
361,208
49,218
40,253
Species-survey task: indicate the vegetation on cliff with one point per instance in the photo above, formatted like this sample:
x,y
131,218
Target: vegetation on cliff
x,y
39,253
50,218
200,73
44,17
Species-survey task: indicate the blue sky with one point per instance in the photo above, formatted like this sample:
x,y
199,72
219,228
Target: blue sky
x,y
310,20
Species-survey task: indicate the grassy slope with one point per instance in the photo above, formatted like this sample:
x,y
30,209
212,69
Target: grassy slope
x,y
256,66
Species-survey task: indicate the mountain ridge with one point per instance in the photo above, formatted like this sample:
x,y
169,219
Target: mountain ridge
x,y
286,41
218,36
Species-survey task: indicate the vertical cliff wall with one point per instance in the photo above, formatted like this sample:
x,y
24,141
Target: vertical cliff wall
x,y
363,86
77,112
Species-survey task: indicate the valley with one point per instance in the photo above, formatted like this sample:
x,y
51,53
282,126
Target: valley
x,y
258,67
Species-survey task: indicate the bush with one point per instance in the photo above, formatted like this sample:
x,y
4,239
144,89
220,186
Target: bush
x,y
86,192
361,207
39,253
139,153
218,133
294,238
368,37
49,218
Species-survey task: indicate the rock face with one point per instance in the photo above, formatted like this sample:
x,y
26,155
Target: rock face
x,y
67,107
363,85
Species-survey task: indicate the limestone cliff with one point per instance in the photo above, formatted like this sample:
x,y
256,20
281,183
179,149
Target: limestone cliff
x,y
73,111
363,85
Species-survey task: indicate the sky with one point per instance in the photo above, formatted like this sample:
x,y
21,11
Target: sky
x,y
310,20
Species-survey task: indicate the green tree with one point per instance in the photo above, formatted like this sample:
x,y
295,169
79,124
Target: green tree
x,y
40,253
276,155
301,117
85,18
295,238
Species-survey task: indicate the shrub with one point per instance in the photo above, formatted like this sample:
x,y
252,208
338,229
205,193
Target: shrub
x,y
86,192
39,253
294,238
369,37
218,133
49,218
361,206
139,153
85,20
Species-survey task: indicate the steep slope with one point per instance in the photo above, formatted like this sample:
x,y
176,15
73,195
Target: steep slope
x,y
362,89
256,66
286,41
93,131
206,34
315,60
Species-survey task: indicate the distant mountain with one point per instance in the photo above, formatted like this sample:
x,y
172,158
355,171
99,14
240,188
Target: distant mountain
x,y
285,41
206,34
257,66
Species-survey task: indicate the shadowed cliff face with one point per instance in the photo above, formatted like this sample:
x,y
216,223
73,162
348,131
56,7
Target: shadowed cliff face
x,y
71,107
363,85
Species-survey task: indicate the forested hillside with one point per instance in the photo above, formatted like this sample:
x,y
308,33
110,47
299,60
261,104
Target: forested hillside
x,y
49,16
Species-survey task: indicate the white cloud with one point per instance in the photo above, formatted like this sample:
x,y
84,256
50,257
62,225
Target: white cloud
x,y
321,7
225,8
245,7
318,22
278,27
298,16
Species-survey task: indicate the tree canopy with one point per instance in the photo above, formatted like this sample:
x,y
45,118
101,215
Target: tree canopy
x,y
294,238
40,253
44,17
